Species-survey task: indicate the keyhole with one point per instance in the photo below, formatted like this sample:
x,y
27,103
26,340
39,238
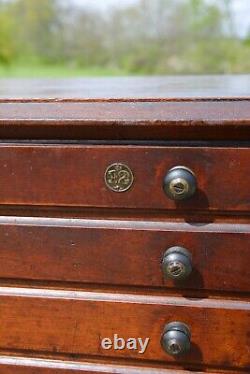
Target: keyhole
x,y
175,268
175,348
179,188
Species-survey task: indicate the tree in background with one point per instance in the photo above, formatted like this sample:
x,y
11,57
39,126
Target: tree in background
x,y
38,26
149,37
7,34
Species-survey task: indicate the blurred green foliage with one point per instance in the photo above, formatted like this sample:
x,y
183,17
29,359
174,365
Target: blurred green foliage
x,y
54,38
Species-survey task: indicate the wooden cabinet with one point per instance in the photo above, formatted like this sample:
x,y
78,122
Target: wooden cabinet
x,y
111,263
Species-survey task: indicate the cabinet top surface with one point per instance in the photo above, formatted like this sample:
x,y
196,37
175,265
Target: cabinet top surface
x,y
161,87
127,108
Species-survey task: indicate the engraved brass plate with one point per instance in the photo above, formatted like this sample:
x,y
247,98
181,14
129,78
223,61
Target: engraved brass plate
x,y
119,177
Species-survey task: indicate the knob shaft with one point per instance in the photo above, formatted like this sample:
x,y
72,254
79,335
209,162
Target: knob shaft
x,y
176,338
177,263
180,183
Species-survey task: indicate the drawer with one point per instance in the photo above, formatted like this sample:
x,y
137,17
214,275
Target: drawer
x,y
73,175
71,322
125,253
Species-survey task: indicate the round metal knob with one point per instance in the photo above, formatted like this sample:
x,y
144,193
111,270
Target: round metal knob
x,y
177,263
180,183
176,338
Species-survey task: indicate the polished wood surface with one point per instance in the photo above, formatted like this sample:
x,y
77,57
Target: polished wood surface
x,y
26,365
213,86
132,120
70,322
126,120
79,262
124,253
63,175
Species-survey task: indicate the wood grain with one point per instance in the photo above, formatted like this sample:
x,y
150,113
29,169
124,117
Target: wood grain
x,y
63,175
21,365
159,112
148,120
152,125
71,322
121,253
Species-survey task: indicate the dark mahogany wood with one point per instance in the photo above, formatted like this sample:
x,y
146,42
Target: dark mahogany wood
x,y
132,120
121,253
21,365
194,107
73,323
95,254
62,175
10,369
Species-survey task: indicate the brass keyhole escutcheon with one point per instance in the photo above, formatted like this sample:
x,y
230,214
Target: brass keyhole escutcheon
x,y
118,177
176,269
178,186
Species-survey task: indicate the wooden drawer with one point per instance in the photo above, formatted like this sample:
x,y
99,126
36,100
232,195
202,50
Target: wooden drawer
x,y
73,175
74,323
127,253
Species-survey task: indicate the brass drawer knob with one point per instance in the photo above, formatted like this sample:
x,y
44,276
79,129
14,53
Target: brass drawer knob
x,y
176,338
177,263
180,183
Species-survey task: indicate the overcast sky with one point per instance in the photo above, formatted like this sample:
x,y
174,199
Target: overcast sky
x,y
241,10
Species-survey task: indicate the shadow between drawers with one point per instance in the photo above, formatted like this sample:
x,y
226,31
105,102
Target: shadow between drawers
x,y
189,294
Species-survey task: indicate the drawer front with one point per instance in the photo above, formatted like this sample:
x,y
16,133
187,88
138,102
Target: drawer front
x,y
71,322
74,176
127,253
